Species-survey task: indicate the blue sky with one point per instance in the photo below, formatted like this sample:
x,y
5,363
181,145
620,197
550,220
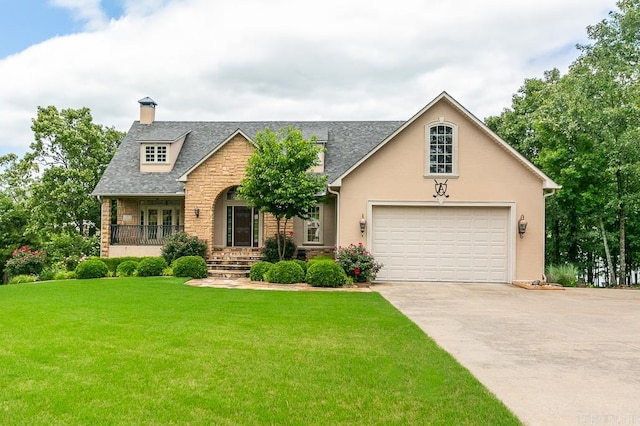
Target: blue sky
x,y
275,60
27,22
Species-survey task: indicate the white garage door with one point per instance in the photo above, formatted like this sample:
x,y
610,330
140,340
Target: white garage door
x,y
459,244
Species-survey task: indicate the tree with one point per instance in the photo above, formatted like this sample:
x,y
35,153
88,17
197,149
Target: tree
x,y
279,179
610,73
517,124
71,153
583,129
13,223
16,177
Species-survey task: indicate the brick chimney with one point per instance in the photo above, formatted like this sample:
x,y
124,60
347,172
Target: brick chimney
x,y
147,110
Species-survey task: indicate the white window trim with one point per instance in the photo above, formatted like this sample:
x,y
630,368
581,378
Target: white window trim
x,y
427,145
177,218
143,153
320,228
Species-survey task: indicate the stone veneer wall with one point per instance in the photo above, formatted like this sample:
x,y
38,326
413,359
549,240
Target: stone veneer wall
x,y
268,226
313,251
129,207
224,169
105,227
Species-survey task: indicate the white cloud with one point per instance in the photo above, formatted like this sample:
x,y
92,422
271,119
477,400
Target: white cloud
x,y
285,59
87,11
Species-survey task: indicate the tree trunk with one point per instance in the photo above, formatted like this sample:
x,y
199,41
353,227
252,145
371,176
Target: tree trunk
x,y
281,237
612,272
556,242
622,275
590,268
573,249
280,255
284,239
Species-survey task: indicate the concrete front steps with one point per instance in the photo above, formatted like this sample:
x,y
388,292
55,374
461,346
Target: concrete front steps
x,y
232,262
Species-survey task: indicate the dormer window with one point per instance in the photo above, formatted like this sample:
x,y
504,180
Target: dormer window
x,y
160,155
155,154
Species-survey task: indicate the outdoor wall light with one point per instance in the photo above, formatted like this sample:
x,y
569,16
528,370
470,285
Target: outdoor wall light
x,y
196,211
522,226
363,225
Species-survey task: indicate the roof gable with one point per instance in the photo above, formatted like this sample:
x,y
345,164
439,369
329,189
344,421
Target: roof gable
x,y
548,183
184,177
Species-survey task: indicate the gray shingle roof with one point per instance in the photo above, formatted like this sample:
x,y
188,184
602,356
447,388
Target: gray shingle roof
x,y
346,143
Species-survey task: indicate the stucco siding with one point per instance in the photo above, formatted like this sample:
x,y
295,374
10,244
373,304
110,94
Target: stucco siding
x,y
487,174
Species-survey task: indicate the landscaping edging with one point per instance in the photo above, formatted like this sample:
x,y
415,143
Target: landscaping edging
x,y
537,285
245,283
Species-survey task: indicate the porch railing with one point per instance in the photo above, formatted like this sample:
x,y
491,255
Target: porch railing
x,y
139,235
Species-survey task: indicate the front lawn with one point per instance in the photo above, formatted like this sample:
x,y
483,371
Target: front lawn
x,y
153,351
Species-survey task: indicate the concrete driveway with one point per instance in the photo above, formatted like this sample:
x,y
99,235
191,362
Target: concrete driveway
x,y
553,357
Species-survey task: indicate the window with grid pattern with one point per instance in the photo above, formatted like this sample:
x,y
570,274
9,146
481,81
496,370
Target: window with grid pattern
x,y
313,225
155,154
441,149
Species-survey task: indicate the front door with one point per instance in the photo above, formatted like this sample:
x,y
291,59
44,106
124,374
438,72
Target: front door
x,y
242,220
243,226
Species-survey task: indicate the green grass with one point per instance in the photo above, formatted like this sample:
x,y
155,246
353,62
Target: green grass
x,y
152,351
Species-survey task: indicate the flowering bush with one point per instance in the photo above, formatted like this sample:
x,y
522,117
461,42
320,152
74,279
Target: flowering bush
x,y
358,263
23,261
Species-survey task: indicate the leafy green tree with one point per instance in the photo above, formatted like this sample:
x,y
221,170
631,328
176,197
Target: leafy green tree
x,y
582,129
14,218
71,153
279,179
608,69
16,176
517,124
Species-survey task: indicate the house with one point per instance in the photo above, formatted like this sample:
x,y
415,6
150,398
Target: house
x,y
438,197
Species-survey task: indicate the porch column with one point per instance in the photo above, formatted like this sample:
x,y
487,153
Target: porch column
x,y
105,227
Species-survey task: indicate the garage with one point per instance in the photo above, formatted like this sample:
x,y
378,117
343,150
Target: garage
x,y
441,243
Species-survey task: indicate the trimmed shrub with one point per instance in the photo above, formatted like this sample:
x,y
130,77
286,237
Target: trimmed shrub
x,y
302,264
21,279
167,272
151,267
92,268
270,249
326,274
190,266
180,245
285,272
114,262
127,268
258,270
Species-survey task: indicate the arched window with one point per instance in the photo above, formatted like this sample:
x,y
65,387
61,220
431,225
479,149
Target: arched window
x,y
441,149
